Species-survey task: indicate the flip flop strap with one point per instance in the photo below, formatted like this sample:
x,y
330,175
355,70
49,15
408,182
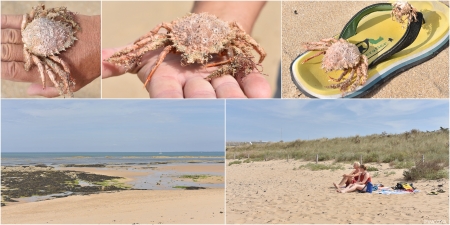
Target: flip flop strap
x,y
411,33
350,28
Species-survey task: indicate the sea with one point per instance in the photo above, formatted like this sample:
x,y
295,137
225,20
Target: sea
x,y
108,158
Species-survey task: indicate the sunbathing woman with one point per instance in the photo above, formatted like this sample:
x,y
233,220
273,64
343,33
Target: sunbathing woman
x,y
361,184
348,179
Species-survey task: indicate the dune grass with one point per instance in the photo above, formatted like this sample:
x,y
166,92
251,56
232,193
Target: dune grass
x,y
401,151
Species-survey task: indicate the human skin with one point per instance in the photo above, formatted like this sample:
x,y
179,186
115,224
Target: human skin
x,y
171,80
83,57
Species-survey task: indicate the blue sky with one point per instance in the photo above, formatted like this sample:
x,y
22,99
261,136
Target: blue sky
x,y
311,119
66,125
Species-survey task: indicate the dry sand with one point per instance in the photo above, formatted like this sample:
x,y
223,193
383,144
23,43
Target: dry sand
x,y
131,206
137,18
125,207
317,20
272,192
12,89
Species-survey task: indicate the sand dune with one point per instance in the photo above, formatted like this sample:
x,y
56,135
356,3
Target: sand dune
x,y
272,192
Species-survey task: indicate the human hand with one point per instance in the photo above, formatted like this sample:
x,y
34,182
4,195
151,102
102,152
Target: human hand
x,y
171,80
83,57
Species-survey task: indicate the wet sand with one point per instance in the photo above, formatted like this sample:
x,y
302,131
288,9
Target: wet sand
x,y
316,20
272,192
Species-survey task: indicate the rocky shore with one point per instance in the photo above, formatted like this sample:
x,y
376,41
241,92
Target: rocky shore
x,y
27,181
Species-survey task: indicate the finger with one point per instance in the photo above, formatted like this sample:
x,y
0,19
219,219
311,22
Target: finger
x,y
109,69
12,52
11,21
165,87
11,36
197,87
14,71
255,86
36,90
227,87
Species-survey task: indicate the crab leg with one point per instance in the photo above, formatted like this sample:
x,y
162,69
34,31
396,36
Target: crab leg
x,y
40,66
27,58
137,45
60,61
248,39
131,58
51,75
218,63
24,22
161,58
320,53
341,76
364,67
155,30
61,73
227,69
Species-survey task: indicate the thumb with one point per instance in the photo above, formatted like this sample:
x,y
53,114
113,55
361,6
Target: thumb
x,y
110,69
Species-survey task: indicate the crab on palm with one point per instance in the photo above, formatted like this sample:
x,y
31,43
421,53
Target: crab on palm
x,y
197,37
403,8
45,33
341,55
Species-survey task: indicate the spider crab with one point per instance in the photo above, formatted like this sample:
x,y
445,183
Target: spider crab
x,y
45,33
197,37
402,8
341,55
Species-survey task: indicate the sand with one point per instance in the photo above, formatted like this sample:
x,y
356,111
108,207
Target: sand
x,y
125,207
131,25
272,192
12,89
317,20
130,206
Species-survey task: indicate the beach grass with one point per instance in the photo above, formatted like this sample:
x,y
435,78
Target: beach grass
x,y
234,162
315,167
401,150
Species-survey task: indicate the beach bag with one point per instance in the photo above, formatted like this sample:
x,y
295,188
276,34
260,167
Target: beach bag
x,y
369,187
407,187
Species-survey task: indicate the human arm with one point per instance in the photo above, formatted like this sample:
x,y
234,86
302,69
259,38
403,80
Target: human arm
x,y
83,57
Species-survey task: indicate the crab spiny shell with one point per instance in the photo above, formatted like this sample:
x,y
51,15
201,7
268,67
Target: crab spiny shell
x,y
341,55
44,37
199,35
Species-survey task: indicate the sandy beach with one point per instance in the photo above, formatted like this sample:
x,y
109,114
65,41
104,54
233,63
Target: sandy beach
x,y
316,20
145,207
273,192
161,204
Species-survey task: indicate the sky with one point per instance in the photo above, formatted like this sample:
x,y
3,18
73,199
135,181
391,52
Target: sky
x,y
66,125
289,120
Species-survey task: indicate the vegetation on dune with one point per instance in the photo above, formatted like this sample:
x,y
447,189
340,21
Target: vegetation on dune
x,y
407,150
315,167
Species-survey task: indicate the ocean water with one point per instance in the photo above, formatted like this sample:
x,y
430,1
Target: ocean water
x,y
108,158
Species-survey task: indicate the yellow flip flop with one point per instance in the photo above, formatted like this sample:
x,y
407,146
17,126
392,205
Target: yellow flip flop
x,y
386,43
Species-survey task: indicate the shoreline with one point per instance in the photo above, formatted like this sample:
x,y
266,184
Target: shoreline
x,y
74,181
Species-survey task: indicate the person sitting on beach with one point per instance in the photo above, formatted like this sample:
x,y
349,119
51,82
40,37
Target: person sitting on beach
x,y
350,178
361,185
